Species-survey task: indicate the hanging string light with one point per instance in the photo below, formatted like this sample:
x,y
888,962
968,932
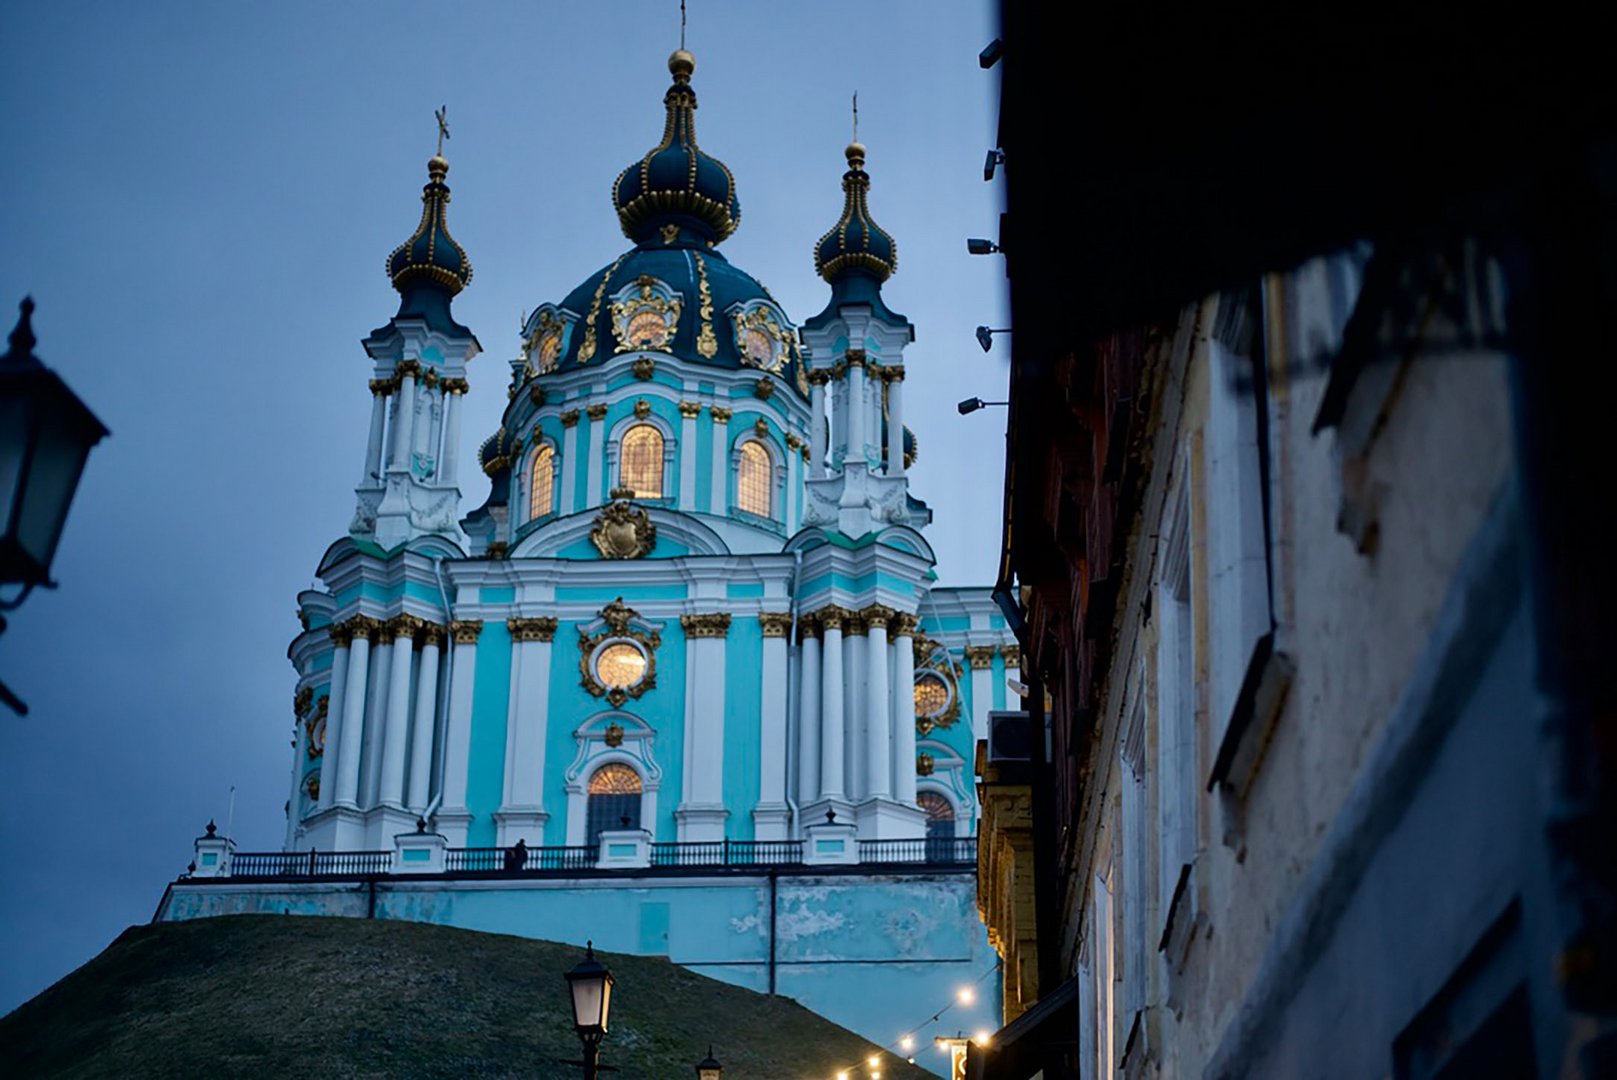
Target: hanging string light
x,y
965,994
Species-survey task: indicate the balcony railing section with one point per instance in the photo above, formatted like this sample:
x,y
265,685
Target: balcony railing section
x,y
936,852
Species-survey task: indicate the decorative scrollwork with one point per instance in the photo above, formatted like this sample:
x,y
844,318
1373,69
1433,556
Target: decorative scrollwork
x,y
620,624
623,531
645,315
760,340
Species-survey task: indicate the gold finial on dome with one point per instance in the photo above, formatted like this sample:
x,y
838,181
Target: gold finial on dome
x,y
856,155
681,64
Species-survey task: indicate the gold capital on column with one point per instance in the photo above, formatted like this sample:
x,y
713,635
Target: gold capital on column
x,y
541,628
406,625
432,634
877,616
980,657
465,631
569,418
596,412
690,410
833,617
715,625
775,623
904,624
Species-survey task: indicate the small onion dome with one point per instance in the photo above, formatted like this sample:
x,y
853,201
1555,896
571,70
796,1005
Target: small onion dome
x,y
431,255
676,187
856,243
495,453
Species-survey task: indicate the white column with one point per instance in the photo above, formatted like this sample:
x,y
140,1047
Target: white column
x,y
878,708
597,483
904,709
702,815
980,658
449,461
895,422
424,723
569,463
522,812
353,712
334,715
396,733
857,407
853,706
373,445
831,705
370,775
817,424
772,720
458,732
688,411
790,512
808,712
720,487
403,422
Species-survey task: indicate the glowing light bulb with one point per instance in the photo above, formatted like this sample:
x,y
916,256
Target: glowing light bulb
x,y
966,995
907,1042
842,1076
982,1037
873,1061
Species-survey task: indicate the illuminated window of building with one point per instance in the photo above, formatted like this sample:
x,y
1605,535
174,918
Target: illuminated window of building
x,y
648,329
753,479
543,485
931,695
614,801
939,826
620,666
642,461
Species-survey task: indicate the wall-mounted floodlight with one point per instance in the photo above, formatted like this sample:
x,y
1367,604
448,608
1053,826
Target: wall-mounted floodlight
x,y
990,54
972,404
978,246
995,159
985,335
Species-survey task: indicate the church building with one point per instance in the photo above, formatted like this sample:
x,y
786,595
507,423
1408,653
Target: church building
x,y
682,683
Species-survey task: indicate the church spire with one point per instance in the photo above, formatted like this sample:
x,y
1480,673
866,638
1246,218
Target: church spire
x,y
430,268
856,245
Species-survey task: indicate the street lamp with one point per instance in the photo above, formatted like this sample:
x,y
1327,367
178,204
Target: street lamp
x,y
985,335
591,986
709,1068
46,434
972,404
978,246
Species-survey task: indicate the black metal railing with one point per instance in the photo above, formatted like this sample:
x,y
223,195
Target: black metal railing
x,y
936,851
309,863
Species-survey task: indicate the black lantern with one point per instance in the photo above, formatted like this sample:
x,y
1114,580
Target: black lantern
x,y
591,986
45,435
709,1068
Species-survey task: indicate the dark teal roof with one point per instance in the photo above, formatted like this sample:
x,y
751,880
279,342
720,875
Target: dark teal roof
x,y
676,186
430,262
681,265
856,244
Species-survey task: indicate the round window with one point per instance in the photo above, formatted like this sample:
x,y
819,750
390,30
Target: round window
x,y
620,665
760,348
932,695
647,330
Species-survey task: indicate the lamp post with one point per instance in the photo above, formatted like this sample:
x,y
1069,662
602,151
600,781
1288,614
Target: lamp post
x,y
591,986
709,1068
972,404
46,434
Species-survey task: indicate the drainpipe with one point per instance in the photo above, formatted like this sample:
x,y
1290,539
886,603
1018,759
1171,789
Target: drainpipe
x,y
793,721
441,737
773,909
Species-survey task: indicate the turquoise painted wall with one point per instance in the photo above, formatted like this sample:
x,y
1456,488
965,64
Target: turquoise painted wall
x,y
491,697
743,705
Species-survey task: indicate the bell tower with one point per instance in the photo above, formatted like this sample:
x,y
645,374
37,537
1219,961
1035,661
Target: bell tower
x,y
409,486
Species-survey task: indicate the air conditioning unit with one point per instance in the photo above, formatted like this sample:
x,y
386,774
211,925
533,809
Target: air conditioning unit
x,y
1010,737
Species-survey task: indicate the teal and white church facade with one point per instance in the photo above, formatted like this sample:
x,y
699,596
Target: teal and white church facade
x,y
683,683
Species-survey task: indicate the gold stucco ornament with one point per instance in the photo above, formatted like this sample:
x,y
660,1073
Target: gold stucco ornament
x,y
623,530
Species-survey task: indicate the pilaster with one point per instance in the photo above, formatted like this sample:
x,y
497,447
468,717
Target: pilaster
x,y
522,814
703,814
453,817
771,815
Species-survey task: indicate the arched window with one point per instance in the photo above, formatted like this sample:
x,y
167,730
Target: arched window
x,y
542,487
614,801
753,480
642,461
939,826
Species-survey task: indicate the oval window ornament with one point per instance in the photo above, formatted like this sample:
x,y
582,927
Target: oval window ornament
x,y
620,665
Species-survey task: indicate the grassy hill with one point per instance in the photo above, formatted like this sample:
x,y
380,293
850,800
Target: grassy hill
x,y
274,996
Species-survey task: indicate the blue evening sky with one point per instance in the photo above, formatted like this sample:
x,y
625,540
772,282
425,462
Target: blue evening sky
x,y
200,199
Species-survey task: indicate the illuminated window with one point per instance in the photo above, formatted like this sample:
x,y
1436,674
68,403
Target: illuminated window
x,y
931,695
614,801
939,826
752,479
543,485
620,666
642,457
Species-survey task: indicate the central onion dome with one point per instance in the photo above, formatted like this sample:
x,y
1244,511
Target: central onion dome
x,y
676,187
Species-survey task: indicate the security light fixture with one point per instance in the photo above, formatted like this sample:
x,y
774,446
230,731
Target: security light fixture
x,y
985,335
978,246
990,54
972,404
995,159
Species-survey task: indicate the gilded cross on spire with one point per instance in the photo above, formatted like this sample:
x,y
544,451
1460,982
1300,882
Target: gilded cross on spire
x,y
856,116
682,23
442,116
